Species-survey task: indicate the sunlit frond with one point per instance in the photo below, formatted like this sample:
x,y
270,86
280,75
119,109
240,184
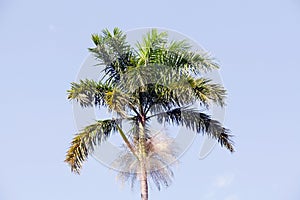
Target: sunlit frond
x,y
152,41
112,51
84,142
155,49
205,91
187,61
179,46
120,102
89,92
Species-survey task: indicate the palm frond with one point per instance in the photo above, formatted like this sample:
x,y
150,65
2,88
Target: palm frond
x,y
120,102
156,87
155,49
89,92
179,46
83,143
113,52
187,61
152,41
182,91
199,122
200,61
206,91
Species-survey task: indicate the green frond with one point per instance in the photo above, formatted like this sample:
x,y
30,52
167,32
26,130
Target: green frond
x,y
96,39
156,87
155,49
106,33
201,61
169,96
136,78
152,41
205,91
119,102
169,89
199,122
101,52
83,144
179,46
112,51
184,60
117,31
89,93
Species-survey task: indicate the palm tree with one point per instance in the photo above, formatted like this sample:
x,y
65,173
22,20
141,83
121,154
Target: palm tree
x,y
157,79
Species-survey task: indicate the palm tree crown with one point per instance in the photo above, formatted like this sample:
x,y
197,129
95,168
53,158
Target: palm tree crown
x,y
157,79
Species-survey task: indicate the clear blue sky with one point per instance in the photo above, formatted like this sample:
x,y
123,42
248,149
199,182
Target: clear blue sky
x,y
42,46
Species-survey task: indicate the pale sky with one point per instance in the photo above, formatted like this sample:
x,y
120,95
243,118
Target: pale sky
x,y
257,43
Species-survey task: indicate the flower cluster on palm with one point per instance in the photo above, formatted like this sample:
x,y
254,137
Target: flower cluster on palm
x,y
156,80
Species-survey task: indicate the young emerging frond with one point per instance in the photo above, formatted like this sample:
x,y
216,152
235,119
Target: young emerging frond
x,y
151,42
84,142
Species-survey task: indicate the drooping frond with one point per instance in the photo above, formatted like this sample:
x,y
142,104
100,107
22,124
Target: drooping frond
x,y
187,61
84,142
199,122
183,91
89,92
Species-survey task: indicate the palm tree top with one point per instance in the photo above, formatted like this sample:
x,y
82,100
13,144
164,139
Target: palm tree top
x,y
156,79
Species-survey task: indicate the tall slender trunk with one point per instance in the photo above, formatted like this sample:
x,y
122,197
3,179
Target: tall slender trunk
x,y
143,155
144,182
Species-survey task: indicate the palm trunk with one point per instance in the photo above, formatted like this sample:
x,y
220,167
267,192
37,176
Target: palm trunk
x,y
144,183
143,168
